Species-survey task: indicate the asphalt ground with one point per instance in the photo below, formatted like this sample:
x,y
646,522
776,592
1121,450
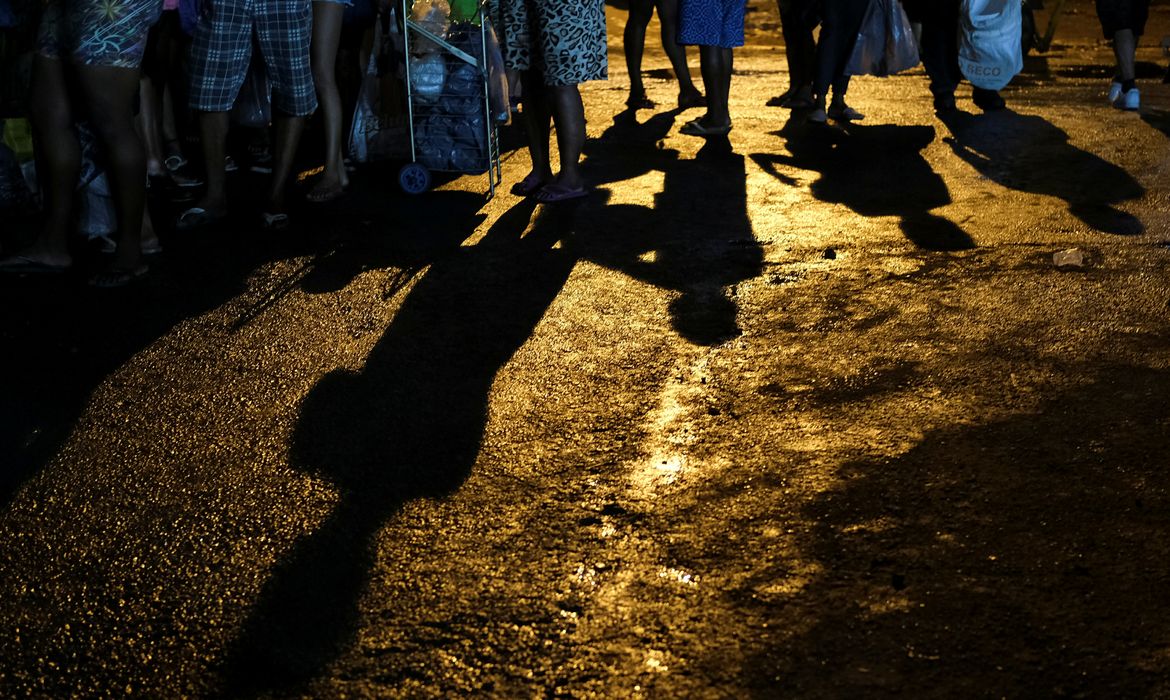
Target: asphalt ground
x,y
806,413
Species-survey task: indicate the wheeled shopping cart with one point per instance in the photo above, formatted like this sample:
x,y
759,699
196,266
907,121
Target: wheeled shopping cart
x,y
453,126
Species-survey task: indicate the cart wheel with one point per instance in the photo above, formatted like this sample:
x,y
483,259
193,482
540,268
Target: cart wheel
x,y
414,178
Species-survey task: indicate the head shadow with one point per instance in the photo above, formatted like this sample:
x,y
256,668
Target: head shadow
x,y
875,171
696,239
1030,154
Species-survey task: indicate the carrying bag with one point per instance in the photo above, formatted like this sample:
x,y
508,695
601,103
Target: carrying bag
x,y
253,107
990,53
380,130
885,43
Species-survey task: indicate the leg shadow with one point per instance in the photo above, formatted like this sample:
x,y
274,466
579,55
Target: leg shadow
x,y
407,426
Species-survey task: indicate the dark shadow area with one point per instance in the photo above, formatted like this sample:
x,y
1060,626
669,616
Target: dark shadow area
x,y
875,171
1143,70
697,239
1157,118
1038,70
1030,154
410,424
1025,557
61,339
407,426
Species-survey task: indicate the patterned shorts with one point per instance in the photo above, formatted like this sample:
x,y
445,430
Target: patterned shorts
x,y
222,49
97,32
564,39
711,23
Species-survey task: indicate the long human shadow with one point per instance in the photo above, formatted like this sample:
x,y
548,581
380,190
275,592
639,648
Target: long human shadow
x,y
410,423
1028,153
696,239
875,171
1023,557
407,426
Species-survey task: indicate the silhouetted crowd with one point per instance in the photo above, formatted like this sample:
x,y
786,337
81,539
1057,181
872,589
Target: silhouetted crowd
x,y
107,102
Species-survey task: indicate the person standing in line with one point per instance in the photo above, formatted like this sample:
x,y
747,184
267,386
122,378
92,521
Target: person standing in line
x,y
840,22
555,45
939,49
327,17
1124,22
797,20
716,27
220,53
88,63
634,41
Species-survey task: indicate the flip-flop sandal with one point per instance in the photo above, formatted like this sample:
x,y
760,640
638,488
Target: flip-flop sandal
x,y
317,196
24,265
530,185
118,276
559,193
108,246
173,163
848,114
196,218
274,222
696,127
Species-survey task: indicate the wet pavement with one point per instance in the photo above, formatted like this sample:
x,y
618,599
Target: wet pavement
x,y
810,413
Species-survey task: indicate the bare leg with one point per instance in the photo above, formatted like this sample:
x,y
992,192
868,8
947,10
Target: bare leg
x,y
58,157
213,128
169,126
715,64
148,120
326,37
537,122
288,136
109,94
569,115
688,94
634,43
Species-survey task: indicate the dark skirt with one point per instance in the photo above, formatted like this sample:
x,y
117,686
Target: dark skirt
x,y
1116,15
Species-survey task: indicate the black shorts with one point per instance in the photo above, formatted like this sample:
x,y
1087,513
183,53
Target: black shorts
x,y
1116,15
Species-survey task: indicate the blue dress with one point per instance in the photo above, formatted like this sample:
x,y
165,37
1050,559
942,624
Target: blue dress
x,y
711,22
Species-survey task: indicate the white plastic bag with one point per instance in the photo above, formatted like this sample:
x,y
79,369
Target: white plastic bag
x,y
885,42
433,16
427,75
379,130
497,78
990,53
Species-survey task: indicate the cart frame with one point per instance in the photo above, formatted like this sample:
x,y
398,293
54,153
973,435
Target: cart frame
x,y
415,177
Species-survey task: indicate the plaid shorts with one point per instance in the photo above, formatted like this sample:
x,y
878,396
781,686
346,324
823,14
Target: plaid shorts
x,y
222,48
97,33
